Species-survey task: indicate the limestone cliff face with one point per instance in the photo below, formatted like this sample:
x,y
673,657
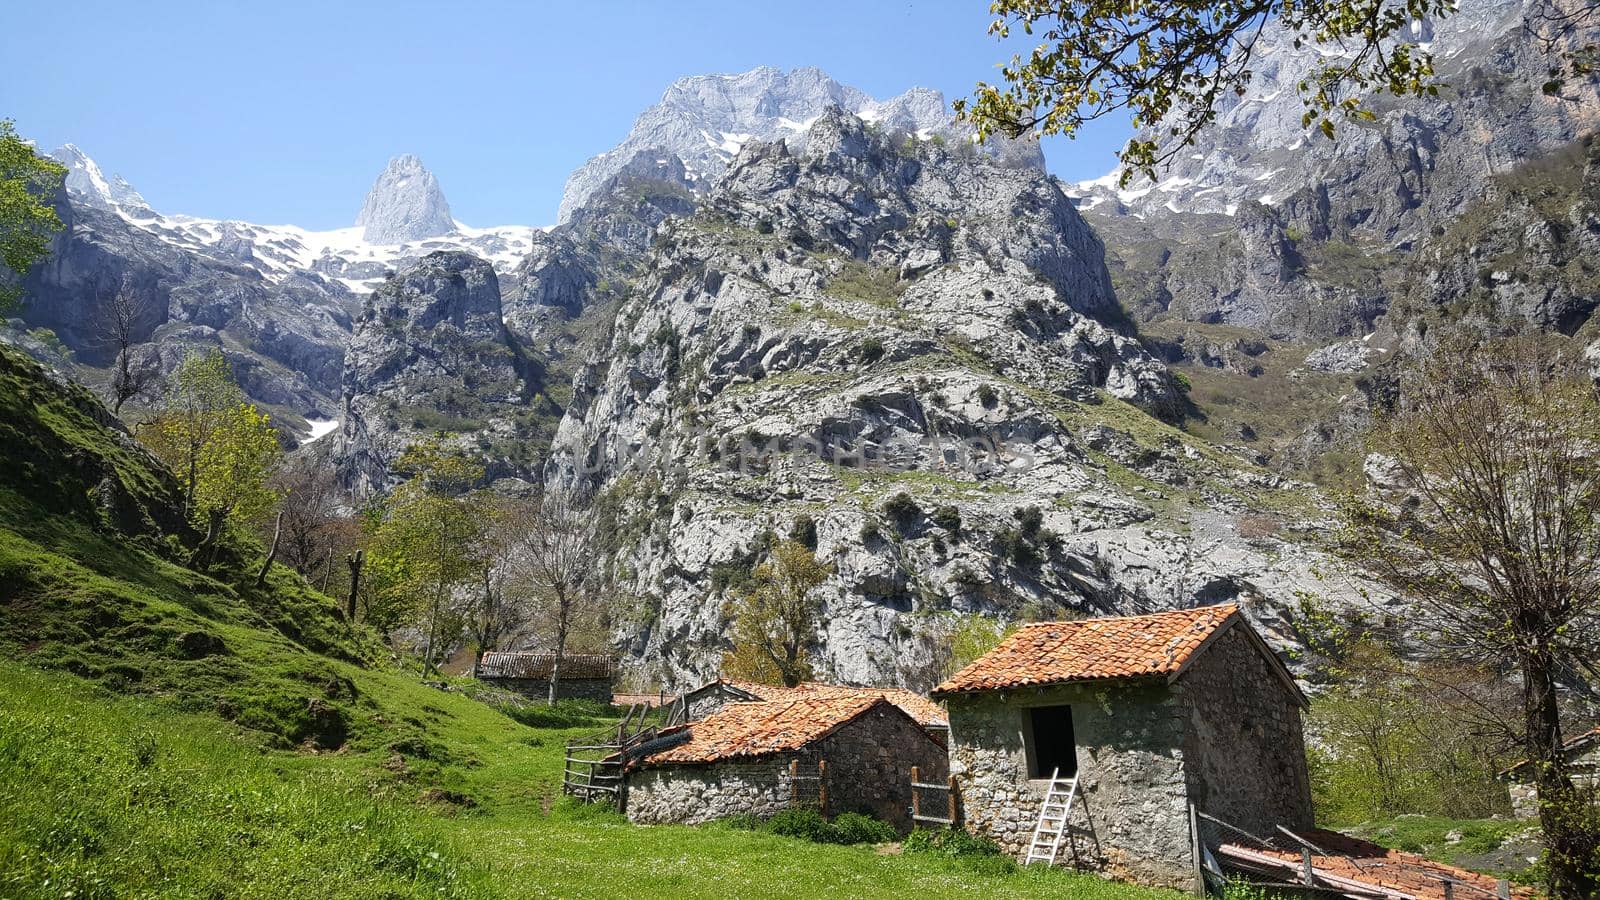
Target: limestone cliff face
x,y
405,204
430,355
284,338
840,326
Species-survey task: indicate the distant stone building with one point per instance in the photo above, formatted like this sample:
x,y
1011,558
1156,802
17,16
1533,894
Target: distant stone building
x,y
582,676
713,695
1583,764
744,758
1153,713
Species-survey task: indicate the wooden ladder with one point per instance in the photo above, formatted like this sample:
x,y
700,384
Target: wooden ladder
x,y
1052,819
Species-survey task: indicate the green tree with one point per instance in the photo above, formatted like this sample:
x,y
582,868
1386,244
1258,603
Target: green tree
x,y
222,448
775,618
1496,538
28,183
422,546
1171,62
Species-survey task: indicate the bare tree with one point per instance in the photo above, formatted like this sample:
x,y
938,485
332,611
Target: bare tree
x,y
314,523
555,563
1497,447
116,327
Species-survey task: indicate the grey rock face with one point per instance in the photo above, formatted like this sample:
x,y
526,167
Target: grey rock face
x,y
429,354
85,178
286,339
405,204
704,120
857,319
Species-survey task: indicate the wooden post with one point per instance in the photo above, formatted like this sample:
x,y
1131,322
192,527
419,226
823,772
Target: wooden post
x,y
916,808
1502,889
1195,851
794,782
822,785
950,804
1449,890
1305,866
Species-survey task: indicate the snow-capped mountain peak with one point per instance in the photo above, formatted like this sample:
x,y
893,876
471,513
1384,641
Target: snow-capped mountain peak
x,y
85,177
405,204
706,119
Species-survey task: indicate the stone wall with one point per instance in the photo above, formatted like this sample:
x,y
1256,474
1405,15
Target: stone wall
x,y
1244,751
567,689
869,771
695,794
1131,816
1585,770
705,700
869,764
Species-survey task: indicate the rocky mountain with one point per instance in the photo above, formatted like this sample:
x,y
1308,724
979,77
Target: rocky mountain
x,y
405,204
1328,257
1421,160
910,356
278,300
705,119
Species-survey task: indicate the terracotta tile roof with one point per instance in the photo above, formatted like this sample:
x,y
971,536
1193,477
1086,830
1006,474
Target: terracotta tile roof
x,y
1157,645
525,664
741,730
1391,873
926,712
1573,746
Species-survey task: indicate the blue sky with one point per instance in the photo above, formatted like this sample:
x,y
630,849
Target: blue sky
x,y
286,111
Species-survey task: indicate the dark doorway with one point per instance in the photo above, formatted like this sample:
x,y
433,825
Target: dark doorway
x,y
1051,746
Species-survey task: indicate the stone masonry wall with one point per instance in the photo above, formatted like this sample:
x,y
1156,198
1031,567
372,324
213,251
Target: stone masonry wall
x,y
1131,817
1244,749
869,764
704,793
1585,770
568,689
869,771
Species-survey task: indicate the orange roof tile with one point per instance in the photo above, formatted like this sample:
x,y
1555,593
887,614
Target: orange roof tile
x,y
926,712
1156,645
756,729
1396,872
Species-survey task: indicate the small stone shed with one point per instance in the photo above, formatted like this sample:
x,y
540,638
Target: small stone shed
x,y
582,676
1153,713
1583,764
744,758
713,695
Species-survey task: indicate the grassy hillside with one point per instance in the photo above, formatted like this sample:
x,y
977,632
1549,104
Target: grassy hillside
x,y
171,733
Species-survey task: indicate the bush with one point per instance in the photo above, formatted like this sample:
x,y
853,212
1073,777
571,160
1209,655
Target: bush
x,y
901,509
949,518
871,349
856,828
804,531
970,852
808,823
987,396
801,822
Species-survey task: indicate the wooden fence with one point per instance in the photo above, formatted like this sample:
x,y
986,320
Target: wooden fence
x,y
931,813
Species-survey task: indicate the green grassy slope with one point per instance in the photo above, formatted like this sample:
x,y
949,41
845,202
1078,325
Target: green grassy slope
x,y
171,733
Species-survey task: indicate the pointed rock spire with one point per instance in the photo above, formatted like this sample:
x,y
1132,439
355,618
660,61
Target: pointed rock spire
x,y
405,204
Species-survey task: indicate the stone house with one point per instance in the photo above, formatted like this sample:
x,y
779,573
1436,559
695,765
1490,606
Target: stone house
x,y
744,758
1152,713
713,695
582,676
1583,764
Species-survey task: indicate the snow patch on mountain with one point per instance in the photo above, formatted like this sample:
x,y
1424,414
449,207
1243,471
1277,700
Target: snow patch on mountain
x,y
707,119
